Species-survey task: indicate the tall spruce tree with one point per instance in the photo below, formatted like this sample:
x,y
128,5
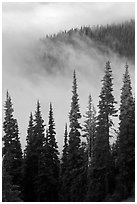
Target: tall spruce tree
x,y
52,161
12,153
28,168
39,141
75,127
65,151
103,164
64,165
34,157
126,154
89,129
73,175
30,133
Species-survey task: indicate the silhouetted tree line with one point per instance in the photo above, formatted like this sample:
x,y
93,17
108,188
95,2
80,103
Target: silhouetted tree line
x,y
118,37
87,171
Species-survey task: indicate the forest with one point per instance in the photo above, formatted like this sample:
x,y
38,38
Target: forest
x,y
118,37
89,169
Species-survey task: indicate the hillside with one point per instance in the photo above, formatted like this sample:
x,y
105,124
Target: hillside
x,y
120,38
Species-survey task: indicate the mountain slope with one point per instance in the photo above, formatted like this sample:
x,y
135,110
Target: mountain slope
x,y
120,38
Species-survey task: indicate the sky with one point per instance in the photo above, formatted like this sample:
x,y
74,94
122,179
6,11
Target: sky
x,y
29,78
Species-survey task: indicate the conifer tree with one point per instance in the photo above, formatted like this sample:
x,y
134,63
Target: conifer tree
x,y
103,165
64,166
39,135
30,132
12,153
74,171
89,129
28,168
65,151
34,156
126,140
38,143
74,134
51,161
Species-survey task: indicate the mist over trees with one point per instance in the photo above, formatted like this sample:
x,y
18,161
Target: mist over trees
x,y
118,37
89,168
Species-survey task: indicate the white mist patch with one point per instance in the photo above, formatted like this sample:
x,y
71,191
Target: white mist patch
x,y
30,77
35,70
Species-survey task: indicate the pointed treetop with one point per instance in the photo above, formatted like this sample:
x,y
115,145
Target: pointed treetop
x,y
90,102
90,114
108,63
126,66
30,129
8,98
74,86
74,74
90,96
7,94
31,116
108,70
126,77
8,105
51,118
38,112
126,74
74,114
107,101
38,103
66,126
51,112
51,140
50,106
127,88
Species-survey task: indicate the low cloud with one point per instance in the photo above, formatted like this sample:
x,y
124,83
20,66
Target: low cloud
x,y
33,69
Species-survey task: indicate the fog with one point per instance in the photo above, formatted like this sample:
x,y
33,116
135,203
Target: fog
x,y
33,69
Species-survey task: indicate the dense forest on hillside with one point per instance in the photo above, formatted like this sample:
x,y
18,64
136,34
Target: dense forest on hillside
x,y
89,170
118,37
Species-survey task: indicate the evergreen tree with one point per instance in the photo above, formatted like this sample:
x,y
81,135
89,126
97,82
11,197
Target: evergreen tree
x,y
39,141
30,132
118,37
64,165
89,129
12,153
74,134
126,154
28,168
103,163
51,161
73,183
65,151
34,157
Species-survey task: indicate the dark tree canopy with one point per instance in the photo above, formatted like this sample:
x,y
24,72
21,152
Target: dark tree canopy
x,y
89,129
10,192
72,177
104,119
12,153
103,164
74,134
51,161
65,151
126,156
28,166
34,156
